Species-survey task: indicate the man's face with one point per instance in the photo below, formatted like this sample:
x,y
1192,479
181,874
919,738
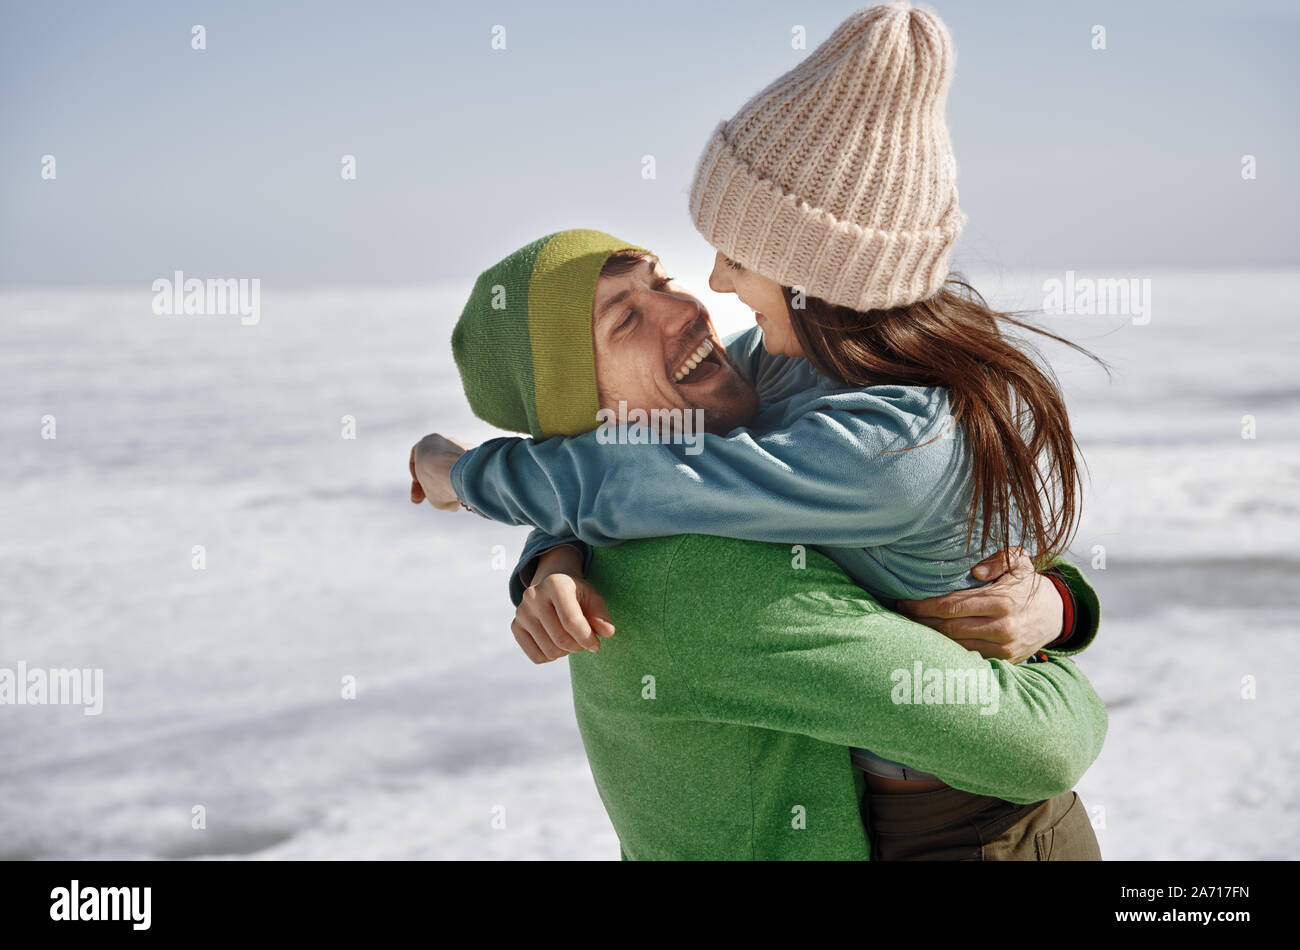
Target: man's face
x,y
656,349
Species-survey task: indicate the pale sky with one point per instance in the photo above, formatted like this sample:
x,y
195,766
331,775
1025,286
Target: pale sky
x,y
226,161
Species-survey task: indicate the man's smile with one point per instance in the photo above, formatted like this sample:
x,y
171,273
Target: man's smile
x,y
699,365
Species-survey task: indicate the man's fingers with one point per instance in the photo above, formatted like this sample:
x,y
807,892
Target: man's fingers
x,y
978,604
999,563
932,608
976,628
962,603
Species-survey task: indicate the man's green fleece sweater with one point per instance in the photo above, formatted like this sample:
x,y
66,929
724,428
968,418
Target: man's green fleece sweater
x,y
718,719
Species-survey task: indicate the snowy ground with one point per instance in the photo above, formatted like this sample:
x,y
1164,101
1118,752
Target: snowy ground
x,y
223,685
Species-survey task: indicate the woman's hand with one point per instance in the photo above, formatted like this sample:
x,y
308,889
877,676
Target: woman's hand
x,y
431,461
560,613
1011,619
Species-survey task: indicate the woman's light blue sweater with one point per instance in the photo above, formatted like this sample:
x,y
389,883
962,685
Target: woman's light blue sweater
x,y
877,479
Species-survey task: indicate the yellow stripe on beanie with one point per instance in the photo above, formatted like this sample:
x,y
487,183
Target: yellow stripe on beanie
x,y
560,295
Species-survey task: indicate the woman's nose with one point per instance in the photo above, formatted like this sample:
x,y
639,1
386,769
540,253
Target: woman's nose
x,y
720,280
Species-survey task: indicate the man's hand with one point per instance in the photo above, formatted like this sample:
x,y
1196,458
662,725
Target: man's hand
x,y
560,613
1011,619
431,461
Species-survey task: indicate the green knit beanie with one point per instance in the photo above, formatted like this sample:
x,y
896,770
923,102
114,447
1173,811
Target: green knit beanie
x,y
523,342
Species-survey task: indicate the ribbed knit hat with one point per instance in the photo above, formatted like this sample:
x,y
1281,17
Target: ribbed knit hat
x,y
839,177
523,342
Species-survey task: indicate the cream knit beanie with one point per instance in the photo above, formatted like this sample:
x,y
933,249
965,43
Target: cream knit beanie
x,y
839,177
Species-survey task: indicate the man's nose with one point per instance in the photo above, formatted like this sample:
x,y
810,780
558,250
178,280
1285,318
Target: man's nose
x,y
720,280
680,314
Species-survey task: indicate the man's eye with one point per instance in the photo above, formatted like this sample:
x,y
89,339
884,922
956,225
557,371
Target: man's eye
x,y
732,264
627,321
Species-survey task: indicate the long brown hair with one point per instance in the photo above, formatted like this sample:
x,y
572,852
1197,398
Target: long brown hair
x,y
1025,471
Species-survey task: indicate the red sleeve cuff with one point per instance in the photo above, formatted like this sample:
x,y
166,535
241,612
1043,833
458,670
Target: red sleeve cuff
x,y
1067,600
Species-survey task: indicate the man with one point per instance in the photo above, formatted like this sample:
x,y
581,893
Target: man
x,y
717,722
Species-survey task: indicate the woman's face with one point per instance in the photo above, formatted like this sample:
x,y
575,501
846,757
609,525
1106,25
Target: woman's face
x,y
765,297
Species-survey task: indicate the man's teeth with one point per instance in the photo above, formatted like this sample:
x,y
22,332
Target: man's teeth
x,y
693,361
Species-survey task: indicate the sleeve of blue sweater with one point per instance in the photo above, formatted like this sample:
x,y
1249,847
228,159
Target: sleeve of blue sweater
x,y
855,477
